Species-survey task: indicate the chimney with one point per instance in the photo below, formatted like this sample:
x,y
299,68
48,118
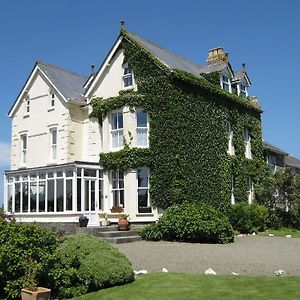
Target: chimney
x,y
216,56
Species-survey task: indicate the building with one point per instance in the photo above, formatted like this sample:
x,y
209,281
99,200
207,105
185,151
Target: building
x,y
167,131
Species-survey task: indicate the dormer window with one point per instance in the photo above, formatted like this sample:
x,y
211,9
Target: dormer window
x,y
243,90
226,84
127,76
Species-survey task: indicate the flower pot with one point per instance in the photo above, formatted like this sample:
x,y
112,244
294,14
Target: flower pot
x,y
105,223
123,224
39,293
83,221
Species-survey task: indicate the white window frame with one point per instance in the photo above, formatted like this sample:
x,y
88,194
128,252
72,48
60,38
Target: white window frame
x,y
24,148
53,146
119,177
143,188
146,129
127,76
230,150
119,131
247,142
250,190
243,92
225,84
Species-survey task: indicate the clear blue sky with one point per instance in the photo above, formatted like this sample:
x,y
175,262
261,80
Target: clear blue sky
x,y
75,34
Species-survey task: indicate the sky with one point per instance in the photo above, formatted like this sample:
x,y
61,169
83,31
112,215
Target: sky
x,y
72,34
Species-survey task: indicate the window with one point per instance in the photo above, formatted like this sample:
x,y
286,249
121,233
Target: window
x,y
143,191
225,83
250,190
247,141
232,189
52,98
142,128
243,90
230,150
27,99
53,143
117,129
127,76
118,188
23,149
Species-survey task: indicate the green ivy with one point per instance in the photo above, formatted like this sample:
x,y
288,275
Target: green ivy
x,y
187,157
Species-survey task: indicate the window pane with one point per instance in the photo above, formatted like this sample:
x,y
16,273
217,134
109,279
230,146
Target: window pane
x,y
114,121
93,196
33,196
50,195
89,173
120,138
142,136
25,197
86,197
78,172
9,197
54,136
69,194
141,117
116,198
122,198
42,196
120,120
143,198
69,173
143,178
78,194
17,197
59,174
115,139
42,175
100,193
59,195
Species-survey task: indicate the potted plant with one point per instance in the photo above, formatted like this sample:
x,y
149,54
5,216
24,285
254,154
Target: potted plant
x,y
117,209
32,291
83,221
123,223
105,221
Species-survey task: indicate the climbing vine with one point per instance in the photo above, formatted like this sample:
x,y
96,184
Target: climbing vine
x,y
187,156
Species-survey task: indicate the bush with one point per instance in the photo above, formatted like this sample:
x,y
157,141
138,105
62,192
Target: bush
x,y
248,218
196,222
25,256
88,264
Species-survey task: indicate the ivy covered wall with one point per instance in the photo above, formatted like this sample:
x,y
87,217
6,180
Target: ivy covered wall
x,y
187,157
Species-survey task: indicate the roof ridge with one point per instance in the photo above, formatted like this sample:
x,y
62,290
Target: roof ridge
x,y
165,49
39,62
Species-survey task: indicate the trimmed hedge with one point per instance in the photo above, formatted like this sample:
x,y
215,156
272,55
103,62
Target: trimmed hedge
x,y
249,218
195,222
88,264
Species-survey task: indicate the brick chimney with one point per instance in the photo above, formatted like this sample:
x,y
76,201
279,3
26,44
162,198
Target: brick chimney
x,y
216,56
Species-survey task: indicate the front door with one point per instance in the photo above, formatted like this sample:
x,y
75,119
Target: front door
x,y
91,201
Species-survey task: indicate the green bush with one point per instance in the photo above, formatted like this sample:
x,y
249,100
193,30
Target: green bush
x,y
197,222
248,218
25,257
88,264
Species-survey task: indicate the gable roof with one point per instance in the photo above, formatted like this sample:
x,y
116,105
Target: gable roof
x,y
272,148
291,161
68,84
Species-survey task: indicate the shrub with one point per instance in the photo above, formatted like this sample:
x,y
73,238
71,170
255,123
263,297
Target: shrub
x,y
88,264
196,222
248,218
25,256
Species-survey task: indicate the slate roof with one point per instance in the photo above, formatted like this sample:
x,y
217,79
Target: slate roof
x,y
291,161
167,57
70,84
271,147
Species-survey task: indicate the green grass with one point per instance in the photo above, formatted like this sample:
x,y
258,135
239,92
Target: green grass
x,y
194,286
282,232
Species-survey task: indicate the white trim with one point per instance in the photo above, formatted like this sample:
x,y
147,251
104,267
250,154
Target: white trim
x,y
103,67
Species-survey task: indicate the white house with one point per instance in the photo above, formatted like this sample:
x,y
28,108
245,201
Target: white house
x,y
55,174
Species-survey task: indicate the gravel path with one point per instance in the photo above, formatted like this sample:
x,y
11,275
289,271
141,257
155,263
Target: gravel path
x,y
248,255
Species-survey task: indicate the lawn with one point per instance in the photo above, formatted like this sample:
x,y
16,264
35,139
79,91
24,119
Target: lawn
x,y
194,286
282,232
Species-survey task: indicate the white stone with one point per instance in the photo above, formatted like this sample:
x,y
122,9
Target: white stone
x,y
280,272
253,233
288,236
271,234
164,270
235,274
140,272
210,271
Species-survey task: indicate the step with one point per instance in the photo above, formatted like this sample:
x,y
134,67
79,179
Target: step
x,y
117,233
122,239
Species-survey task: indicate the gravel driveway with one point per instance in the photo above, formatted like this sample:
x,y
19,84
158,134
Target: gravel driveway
x,y
248,255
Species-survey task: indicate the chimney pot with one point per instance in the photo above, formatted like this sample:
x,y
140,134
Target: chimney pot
x,y
92,70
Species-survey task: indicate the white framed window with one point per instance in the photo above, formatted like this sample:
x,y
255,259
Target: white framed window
x,y
247,142
117,130
24,142
243,90
250,190
53,143
226,83
117,188
127,76
232,177
142,128
143,191
230,150
27,101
